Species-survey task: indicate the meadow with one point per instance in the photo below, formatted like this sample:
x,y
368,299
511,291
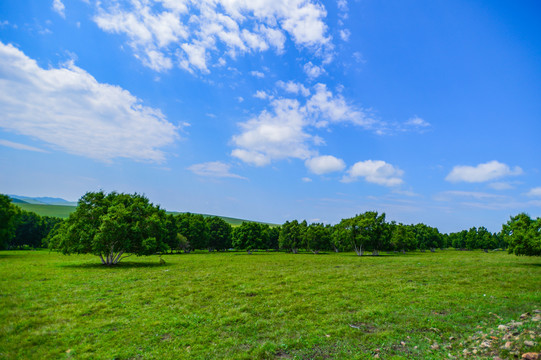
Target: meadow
x,y
266,305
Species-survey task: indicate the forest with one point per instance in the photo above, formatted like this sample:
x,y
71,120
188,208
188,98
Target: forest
x,y
115,225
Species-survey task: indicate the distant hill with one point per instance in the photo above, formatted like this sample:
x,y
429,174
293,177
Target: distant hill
x,y
48,206
41,200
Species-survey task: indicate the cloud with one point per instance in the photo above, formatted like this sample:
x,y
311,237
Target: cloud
x,y
283,131
375,171
257,74
215,169
325,107
449,195
260,94
75,113
500,186
483,172
417,122
59,8
293,88
313,71
194,33
306,179
325,164
345,34
274,135
535,191
18,146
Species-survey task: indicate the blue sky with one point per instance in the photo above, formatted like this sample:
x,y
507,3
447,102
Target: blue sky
x,y
272,110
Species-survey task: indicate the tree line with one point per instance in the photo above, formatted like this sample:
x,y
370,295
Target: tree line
x,y
115,225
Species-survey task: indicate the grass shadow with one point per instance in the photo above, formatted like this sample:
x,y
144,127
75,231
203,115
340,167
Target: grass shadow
x,y
120,265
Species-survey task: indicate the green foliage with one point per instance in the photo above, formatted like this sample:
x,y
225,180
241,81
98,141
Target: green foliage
x,y
364,231
403,237
263,306
31,229
219,233
112,226
290,236
195,229
318,237
523,235
250,236
8,216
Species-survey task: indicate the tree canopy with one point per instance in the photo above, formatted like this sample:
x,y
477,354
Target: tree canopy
x,y
523,235
112,226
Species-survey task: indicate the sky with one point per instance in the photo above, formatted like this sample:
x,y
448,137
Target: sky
x,y
274,110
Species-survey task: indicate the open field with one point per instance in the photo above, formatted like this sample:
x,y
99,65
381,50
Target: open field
x,y
61,211
265,305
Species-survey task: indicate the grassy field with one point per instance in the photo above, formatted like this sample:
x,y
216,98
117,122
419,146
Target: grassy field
x,y
61,211
265,305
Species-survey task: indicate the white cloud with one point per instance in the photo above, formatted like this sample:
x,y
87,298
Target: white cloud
x,y
283,132
345,34
325,164
215,169
59,8
194,33
375,171
257,74
449,195
501,186
18,146
293,88
306,179
274,135
72,111
342,5
483,172
535,191
417,122
313,71
260,94
325,107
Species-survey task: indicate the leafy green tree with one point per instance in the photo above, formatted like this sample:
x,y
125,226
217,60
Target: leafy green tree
x,y
341,238
403,238
195,229
31,229
290,236
523,235
273,236
171,235
8,216
112,226
318,237
364,231
219,233
249,236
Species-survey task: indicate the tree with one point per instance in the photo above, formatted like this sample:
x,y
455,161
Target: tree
x,y
290,236
219,233
523,235
249,236
112,226
402,237
318,237
8,216
364,231
31,229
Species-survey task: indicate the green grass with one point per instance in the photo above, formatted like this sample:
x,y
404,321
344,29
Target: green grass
x,y
61,211
265,305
